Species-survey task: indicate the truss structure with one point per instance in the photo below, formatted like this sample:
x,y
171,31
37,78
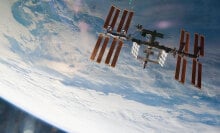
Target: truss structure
x,y
115,37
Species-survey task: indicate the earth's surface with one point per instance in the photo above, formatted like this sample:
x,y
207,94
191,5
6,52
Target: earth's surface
x,y
46,70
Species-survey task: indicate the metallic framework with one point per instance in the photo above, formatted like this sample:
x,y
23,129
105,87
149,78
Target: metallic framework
x,y
116,38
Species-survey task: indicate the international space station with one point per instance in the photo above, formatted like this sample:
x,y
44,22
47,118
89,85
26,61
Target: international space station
x,y
117,36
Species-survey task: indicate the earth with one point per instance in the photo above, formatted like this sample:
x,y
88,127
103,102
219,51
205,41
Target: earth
x,y
47,72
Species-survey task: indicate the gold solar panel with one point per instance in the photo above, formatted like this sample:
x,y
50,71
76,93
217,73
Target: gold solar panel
x,y
111,50
101,53
115,18
107,21
128,21
117,52
96,48
121,23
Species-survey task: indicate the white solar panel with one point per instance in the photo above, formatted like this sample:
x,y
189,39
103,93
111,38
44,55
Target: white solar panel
x,y
135,49
162,57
